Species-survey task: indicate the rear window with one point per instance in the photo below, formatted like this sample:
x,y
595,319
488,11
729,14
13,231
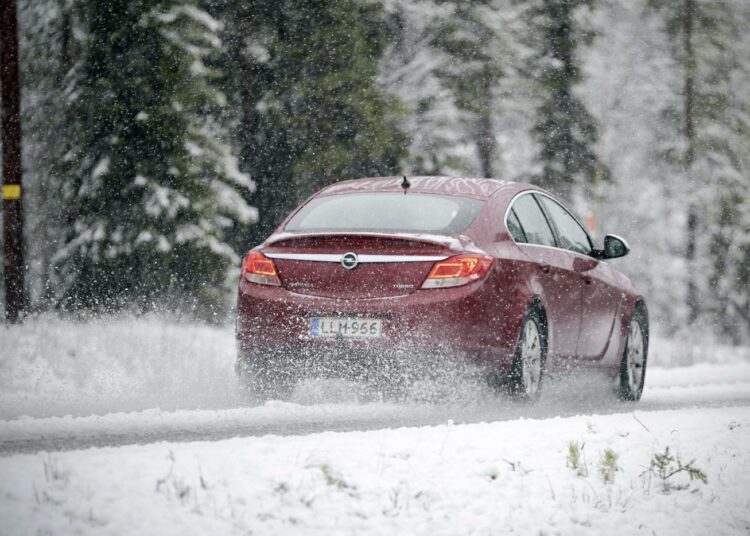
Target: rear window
x,y
387,212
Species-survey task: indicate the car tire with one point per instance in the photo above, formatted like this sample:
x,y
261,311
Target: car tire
x,y
634,358
261,380
527,370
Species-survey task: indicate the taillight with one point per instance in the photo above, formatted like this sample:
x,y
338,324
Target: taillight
x,y
259,269
457,271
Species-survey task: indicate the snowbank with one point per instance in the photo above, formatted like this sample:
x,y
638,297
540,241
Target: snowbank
x,y
56,367
50,367
494,478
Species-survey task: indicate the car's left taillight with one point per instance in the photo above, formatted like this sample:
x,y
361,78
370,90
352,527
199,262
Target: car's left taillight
x,y
457,271
259,269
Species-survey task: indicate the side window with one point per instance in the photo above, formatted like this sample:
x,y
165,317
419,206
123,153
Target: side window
x,y
533,221
515,228
571,234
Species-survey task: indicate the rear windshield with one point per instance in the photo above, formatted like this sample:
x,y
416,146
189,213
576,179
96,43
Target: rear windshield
x,y
387,212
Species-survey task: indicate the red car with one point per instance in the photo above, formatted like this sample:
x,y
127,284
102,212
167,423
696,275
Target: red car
x,y
497,272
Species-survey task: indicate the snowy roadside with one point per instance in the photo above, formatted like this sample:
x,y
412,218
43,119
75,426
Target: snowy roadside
x,y
56,367
52,368
488,478
702,385
66,385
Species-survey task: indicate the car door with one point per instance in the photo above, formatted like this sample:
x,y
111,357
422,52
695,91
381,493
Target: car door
x,y
560,283
598,303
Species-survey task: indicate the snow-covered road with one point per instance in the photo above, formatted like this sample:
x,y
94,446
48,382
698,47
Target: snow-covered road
x,y
689,387
66,385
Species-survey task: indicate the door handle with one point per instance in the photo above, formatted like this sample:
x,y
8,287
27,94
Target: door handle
x,y
544,268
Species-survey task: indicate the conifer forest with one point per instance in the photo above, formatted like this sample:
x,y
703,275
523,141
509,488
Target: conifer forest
x,y
162,139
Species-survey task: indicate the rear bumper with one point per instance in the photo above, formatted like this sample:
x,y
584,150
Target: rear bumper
x,y
478,321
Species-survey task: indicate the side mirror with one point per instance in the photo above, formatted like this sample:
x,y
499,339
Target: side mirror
x,y
614,247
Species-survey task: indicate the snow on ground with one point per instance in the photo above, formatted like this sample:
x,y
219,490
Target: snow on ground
x,y
133,426
485,478
56,367
704,385
50,367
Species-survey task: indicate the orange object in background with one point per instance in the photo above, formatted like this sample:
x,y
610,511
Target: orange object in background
x,y
591,223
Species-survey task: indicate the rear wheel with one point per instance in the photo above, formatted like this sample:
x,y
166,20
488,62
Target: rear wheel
x,y
528,363
633,364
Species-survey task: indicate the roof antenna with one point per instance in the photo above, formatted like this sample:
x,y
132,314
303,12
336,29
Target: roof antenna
x,y
405,184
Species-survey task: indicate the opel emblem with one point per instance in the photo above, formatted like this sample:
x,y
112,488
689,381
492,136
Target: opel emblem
x,y
349,261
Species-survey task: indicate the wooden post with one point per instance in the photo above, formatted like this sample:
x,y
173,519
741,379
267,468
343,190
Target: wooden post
x,y
12,192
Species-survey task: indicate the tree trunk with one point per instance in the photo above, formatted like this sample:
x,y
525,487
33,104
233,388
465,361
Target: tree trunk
x,y
486,143
689,103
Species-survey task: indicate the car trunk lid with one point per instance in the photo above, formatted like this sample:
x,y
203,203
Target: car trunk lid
x,y
375,265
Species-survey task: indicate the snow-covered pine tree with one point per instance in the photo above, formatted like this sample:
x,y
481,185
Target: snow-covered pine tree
x,y
151,184
724,143
321,114
565,130
438,143
712,49
480,41
455,65
340,123
244,75
729,252
630,81
48,50
473,37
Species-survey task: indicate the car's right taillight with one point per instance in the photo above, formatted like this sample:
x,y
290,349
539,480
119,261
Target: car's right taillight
x,y
259,269
457,271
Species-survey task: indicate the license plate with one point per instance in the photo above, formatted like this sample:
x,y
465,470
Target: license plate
x,y
356,328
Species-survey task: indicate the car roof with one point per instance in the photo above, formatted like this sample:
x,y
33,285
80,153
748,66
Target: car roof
x,y
477,188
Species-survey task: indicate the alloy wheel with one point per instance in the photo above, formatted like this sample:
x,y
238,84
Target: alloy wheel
x,y
531,359
634,357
